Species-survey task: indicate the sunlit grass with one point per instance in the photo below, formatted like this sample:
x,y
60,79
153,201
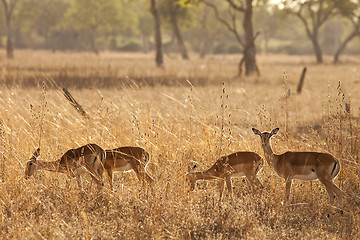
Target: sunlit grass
x,y
180,115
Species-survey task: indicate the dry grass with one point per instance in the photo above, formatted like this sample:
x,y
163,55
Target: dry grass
x,y
178,124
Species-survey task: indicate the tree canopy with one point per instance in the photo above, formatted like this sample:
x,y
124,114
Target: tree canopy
x,y
292,27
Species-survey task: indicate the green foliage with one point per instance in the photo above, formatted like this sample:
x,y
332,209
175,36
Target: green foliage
x,y
186,3
227,48
2,22
267,19
220,48
234,48
100,18
131,46
69,24
348,8
145,24
185,14
43,16
93,14
206,28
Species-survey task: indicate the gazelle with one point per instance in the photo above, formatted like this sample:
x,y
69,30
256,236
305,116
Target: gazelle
x,y
235,165
125,159
75,162
302,165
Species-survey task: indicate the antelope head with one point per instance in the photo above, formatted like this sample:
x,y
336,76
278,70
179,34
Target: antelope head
x,y
191,177
265,136
31,166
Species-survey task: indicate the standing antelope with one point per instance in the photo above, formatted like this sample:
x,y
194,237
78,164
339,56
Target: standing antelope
x,y
125,159
302,165
235,165
75,162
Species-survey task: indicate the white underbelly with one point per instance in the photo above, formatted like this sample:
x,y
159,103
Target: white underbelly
x,y
238,175
125,168
80,171
311,176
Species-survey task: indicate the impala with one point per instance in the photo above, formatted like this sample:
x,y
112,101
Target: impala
x,y
302,165
235,165
137,152
75,162
125,159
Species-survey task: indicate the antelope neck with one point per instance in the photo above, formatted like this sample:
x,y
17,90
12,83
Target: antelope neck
x,y
203,175
270,156
49,166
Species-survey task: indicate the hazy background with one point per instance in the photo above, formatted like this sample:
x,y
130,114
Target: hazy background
x,y
127,26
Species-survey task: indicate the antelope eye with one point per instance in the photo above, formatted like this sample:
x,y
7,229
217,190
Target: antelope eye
x,y
30,164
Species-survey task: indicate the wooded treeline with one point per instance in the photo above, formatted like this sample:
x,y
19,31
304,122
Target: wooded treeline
x,y
316,27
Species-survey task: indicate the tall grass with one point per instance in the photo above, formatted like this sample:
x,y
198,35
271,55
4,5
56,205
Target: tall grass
x,y
185,114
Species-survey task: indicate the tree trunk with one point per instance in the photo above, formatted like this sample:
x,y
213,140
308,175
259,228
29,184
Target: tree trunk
x,y
8,8
176,29
207,45
158,42
249,48
93,43
266,42
145,40
343,45
9,42
315,41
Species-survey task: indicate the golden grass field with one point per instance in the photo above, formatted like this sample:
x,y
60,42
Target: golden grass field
x,y
188,112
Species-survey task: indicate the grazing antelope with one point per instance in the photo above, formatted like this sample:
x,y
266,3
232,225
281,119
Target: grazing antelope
x,y
137,152
125,159
302,165
75,162
235,165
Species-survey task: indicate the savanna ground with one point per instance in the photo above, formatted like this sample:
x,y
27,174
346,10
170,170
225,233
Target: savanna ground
x,y
189,112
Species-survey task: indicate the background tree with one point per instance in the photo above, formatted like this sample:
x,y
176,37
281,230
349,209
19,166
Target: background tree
x,y
154,8
247,42
207,31
95,16
350,9
145,26
267,19
173,12
121,25
39,21
313,14
9,6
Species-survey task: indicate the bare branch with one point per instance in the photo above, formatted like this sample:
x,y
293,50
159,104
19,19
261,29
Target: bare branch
x,y
356,24
9,8
236,7
13,3
233,18
223,21
327,14
302,18
312,15
320,11
12,6
322,14
5,6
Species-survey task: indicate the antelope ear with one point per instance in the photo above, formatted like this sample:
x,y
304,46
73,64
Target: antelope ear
x,y
257,132
274,131
36,154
